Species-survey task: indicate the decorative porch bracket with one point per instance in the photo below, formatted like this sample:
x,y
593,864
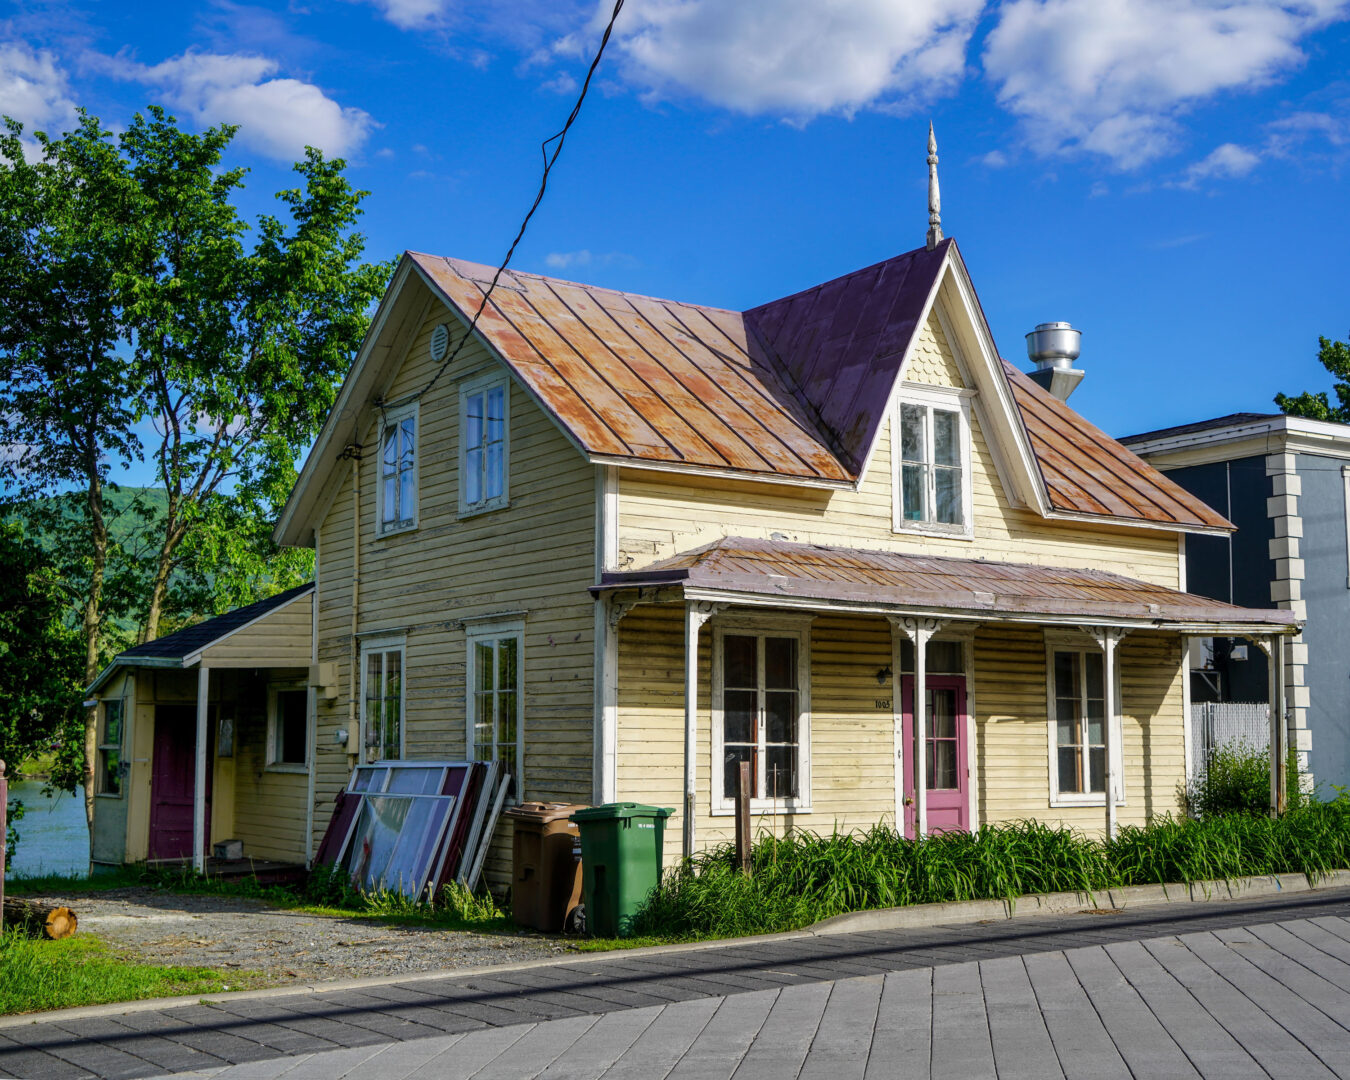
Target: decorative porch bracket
x,y
203,763
1107,638
919,632
696,613
1273,647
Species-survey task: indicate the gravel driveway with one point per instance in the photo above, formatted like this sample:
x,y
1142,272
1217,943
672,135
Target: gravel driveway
x,y
250,935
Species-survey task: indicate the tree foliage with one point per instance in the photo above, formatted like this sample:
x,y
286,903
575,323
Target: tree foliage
x,y
1335,357
142,319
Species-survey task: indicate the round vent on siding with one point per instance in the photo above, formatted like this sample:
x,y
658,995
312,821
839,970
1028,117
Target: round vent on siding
x,y
440,340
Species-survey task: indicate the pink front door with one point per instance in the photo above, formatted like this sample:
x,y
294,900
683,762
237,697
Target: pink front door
x,y
173,772
947,765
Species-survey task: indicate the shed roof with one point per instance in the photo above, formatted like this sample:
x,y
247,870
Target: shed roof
x,y
973,588
193,639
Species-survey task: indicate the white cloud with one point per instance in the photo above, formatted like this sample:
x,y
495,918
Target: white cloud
x,y
411,14
564,260
35,91
278,117
1223,162
1111,76
562,83
995,159
795,58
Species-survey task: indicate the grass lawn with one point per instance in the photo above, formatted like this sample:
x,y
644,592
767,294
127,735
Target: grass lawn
x,y
36,974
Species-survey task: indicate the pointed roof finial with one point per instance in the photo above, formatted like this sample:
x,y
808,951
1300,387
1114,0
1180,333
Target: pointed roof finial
x,y
934,197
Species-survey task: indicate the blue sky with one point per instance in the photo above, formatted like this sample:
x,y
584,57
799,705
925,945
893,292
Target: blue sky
x,y
1165,174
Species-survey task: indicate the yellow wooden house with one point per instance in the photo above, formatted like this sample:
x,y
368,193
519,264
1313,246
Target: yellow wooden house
x,y
624,544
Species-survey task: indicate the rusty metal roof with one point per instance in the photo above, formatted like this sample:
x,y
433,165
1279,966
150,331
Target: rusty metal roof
x,y
1088,472
795,389
924,583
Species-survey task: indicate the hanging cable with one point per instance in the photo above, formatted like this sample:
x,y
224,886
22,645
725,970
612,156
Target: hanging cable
x,y
556,141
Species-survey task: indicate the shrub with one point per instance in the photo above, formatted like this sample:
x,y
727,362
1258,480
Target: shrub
x,y
1237,781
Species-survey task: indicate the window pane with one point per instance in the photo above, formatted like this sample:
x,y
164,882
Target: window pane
x,y
911,433
780,663
942,765
393,694
946,438
731,761
780,772
1094,723
374,699
739,709
407,495
942,714
473,421
494,483
110,772
473,476
780,716
944,658
1093,668
1069,778
112,723
483,665
409,447
390,509
1066,725
948,496
496,414
506,720
389,453
1066,675
913,496
292,726
506,664
1097,769
739,654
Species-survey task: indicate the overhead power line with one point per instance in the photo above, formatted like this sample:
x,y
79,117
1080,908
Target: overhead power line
x,y
550,159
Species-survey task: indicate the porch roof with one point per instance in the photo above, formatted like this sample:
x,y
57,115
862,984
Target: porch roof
x,y
786,574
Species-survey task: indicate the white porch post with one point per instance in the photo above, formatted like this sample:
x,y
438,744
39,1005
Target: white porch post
x,y
1279,797
919,632
199,786
1108,637
696,613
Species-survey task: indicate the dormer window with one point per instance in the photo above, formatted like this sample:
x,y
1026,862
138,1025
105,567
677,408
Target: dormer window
x,y
398,470
932,463
484,443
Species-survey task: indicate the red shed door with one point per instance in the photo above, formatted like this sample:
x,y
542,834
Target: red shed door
x,y
172,775
948,770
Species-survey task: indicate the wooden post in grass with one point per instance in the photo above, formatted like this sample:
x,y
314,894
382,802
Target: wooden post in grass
x,y
4,830
743,817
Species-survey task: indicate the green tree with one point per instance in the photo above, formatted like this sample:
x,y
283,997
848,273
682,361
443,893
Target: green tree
x,y
1335,357
141,318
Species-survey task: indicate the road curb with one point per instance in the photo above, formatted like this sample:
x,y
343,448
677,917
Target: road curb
x,y
915,917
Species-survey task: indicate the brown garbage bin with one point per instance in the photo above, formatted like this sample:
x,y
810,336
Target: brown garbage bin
x,y
545,864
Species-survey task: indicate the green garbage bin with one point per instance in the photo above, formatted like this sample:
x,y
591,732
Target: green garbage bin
x,y
621,846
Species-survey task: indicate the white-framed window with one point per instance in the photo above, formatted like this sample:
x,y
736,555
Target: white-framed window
x,y
382,666
761,713
1076,700
288,727
110,728
397,488
931,462
496,698
484,444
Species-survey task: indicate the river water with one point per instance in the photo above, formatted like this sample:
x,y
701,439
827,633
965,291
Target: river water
x,y
53,835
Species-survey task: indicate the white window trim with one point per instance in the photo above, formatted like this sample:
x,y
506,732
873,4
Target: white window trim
x,y
1069,641
495,631
483,383
392,417
798,627
381,645
272,764
119,746
952,400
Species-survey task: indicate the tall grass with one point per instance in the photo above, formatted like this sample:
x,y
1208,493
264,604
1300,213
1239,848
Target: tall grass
x,y
804,878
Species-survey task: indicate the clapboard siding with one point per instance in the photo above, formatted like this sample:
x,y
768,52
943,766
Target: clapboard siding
x,y
281,637
661,514
852,727
536,556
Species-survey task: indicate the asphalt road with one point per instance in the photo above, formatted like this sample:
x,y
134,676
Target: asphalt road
x,y
1225,990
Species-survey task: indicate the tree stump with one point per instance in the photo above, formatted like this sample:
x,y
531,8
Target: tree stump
x,y
40,919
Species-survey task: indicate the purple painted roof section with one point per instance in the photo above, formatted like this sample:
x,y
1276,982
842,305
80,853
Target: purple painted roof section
x,y
842,343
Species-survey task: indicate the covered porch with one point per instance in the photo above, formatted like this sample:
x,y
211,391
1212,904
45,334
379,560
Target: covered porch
x,y
1046,687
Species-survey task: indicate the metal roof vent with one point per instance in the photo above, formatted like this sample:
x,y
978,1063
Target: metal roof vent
x,y
1054,346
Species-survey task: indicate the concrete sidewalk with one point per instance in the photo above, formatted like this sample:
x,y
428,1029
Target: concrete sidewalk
x,y
1226,989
